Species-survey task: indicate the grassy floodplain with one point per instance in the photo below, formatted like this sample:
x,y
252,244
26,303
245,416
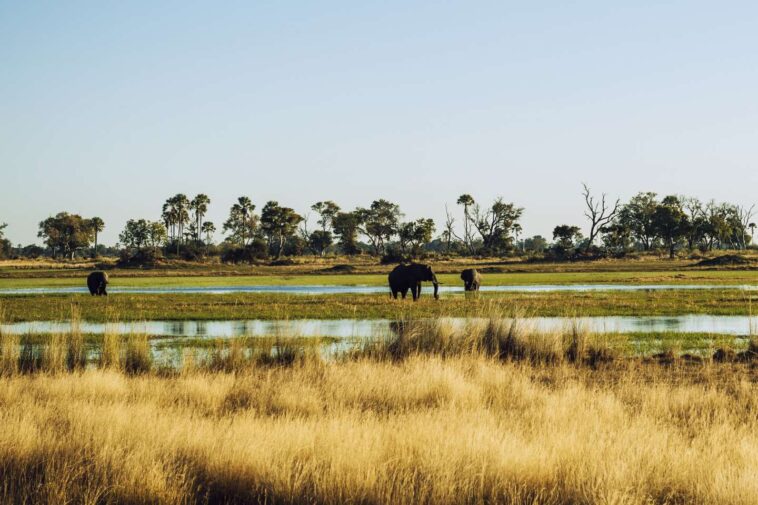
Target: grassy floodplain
x,y
488,413
367,271
128,279
177,306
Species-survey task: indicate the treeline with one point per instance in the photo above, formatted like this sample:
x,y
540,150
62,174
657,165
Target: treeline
x,y
647,223
644,223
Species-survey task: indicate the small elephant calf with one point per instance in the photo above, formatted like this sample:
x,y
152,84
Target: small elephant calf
x,y
471,279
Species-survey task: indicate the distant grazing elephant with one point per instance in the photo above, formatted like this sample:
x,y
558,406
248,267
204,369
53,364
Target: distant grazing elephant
x,y
405,277
471,279
96,282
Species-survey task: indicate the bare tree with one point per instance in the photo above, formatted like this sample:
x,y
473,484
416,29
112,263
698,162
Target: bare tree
x,y
598,212
745,215
449,233
303,228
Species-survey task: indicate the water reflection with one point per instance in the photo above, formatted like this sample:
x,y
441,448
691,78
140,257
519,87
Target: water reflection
x,y
367,328
327,290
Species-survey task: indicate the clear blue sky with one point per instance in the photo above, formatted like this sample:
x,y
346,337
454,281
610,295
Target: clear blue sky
x,y
108,108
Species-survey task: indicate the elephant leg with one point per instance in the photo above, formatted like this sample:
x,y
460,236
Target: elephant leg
x,y
404,293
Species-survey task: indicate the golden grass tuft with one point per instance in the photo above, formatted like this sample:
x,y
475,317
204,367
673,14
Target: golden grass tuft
x,y
139,358
77,356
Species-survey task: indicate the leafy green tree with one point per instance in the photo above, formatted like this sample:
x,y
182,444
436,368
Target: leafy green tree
x,y
319,241
98,225
379,223
66,233
414,235
617,238
496,225
32,251
5,244
278,224
346,226
671,223
637,216
136,234
156,234
242,224
199,207
567,239
327,211
142,240
535,244
696,217
724,226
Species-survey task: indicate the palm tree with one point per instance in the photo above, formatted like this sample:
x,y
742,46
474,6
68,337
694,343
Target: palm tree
x,y
467,201
176,215
199,206
207,229
245,208
98,225
182,205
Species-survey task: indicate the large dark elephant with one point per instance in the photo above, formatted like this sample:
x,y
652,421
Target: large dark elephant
x,y
405,277
471,279
97,282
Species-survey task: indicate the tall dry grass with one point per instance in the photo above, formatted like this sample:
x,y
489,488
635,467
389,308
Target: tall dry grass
x,y
77,356
427,429
9,349
138,358
54,354
496,334
110,350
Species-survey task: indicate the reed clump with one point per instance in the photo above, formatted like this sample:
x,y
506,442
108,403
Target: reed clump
x,y
138,358
77,355
9,348
238,354
508,336
54,354
110,350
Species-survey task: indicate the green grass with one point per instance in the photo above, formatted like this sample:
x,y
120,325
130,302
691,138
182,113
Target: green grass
x,y
176,307
506,279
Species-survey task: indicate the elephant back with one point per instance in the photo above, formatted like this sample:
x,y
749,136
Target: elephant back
x,y
469,274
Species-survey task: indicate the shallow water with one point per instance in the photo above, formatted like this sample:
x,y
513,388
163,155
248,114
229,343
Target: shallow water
x,y
370,328
362,289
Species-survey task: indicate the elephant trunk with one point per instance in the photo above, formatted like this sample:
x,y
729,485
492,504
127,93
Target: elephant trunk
x,y
436,287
